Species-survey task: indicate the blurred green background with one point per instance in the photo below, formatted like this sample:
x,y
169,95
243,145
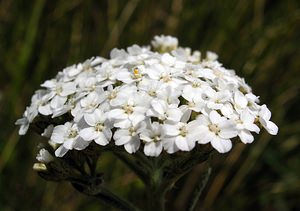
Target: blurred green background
x,y
259,39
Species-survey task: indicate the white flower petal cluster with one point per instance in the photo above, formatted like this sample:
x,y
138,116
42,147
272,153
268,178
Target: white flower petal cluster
x,y
169,100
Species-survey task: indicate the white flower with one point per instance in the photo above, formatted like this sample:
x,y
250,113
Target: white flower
x,y
28,116
164,43
89,84
106,75
129,137
217,130
211,56
167,75
167,59
194,99
245,125
169,94
44,156
68,136
59,91
183,135
132,75
186,54
132,109
90,64
153,137
240,101
117,96
97,129
164,112
92,100
151,87
216,100
88,104
41,100
264,119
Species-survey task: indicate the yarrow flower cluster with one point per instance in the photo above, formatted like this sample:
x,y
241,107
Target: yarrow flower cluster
x,y
167,99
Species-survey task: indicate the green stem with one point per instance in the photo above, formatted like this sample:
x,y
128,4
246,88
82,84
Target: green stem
x,y
178,167
138,168
156,196
199,189
106,196
115,201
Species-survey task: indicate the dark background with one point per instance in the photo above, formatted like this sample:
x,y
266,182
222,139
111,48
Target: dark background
x,y
259,39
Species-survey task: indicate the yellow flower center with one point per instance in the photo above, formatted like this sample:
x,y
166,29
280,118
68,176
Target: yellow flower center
x,y
214,128
99,127
183,131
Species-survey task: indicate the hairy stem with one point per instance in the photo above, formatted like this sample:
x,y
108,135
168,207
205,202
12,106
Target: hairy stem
x,y
106,196
198,190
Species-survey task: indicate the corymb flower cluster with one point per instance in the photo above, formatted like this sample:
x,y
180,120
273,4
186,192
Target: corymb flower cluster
x,y
164,99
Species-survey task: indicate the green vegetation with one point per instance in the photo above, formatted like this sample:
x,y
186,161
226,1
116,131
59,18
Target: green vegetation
x,y
259,39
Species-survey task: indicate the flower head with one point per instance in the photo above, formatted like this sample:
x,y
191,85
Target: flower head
x,y
166,99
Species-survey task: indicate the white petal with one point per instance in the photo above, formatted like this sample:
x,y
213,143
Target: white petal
x,y
132,146
221,145
45,109
61,151
153,149
168,59
101,139
58,134
265,113
271,128
57,102
184,144
90,119
206,137
140,127
246,137
203,120
123,140
80,144
124,77
171,130
188,93
252,127
169,145
125,123
196,134
23,129
68,88
136,118
181,143
68,144
117,114
228,129
186,113
227,110
145,137
240,99
174,114
159,106
120,133
88,134
193,125
215,117
49,84
107,132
